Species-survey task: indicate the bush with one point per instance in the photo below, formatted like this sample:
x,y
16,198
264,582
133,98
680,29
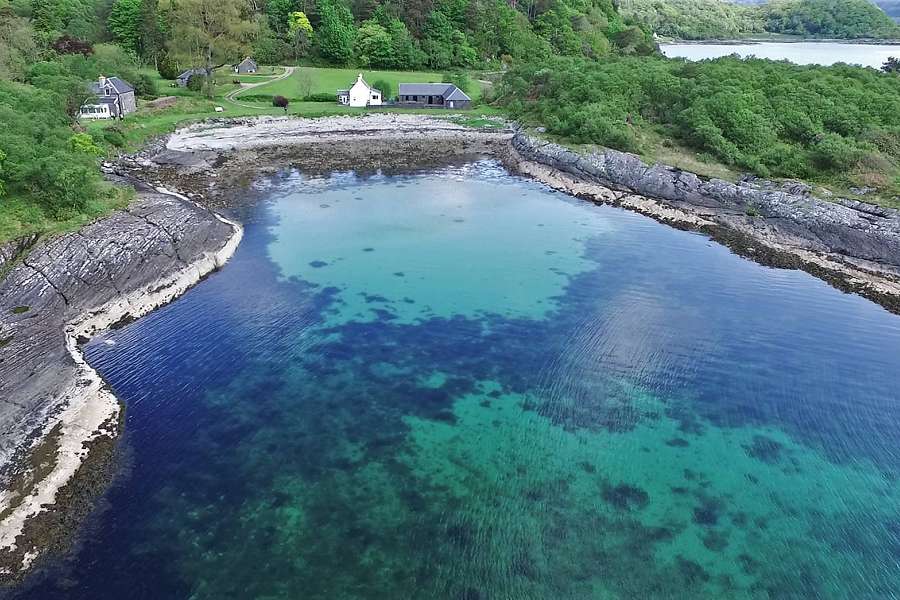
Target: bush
x,y
321,97
144,86
196,83
280,102
114,136
168,68
384,86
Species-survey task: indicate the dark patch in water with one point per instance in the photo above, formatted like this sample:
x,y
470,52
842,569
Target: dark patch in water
x,y
318,264
764,449
587,467
692,572
399,274
368,249
372,298
707,513
625,496
678,443
715,540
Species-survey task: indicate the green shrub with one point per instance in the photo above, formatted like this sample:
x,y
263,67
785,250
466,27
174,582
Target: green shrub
x,y
114,136
383,85
196,83
321,97
144,86
168,68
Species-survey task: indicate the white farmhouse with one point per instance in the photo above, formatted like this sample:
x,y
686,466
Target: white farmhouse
x,y
360,94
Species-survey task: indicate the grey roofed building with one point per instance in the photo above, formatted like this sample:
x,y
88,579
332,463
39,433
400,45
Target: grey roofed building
x,y
114,99
183,79
248,65
437,95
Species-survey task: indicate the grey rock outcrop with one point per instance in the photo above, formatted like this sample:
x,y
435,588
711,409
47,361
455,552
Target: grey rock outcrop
x,y
74,274
788,215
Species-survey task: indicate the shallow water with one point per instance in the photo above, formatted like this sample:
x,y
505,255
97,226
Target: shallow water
x,y
460,384
801,53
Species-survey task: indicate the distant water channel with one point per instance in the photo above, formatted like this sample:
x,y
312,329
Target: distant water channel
x,y
459,384
801,53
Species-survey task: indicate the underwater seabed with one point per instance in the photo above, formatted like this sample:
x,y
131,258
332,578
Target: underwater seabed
x,y
550,400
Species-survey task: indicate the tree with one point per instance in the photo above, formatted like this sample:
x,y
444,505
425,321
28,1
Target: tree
x,y
373,46
301,33
278,13
208,32
891,65
18,49
168,67
305,82
125,24
336,31
385,87
151,43
69,45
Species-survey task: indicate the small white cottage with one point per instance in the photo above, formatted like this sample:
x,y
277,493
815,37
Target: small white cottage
x,y
360,94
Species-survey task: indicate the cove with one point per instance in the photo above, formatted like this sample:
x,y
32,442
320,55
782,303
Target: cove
x,y
460,384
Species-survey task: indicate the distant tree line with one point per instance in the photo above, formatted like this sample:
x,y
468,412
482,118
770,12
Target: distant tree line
x,y
716,19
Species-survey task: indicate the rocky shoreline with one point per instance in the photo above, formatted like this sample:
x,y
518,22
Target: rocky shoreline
x,y
59,418
60,421
852,245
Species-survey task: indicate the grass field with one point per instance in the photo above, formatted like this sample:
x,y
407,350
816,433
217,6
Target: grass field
x,y
328,81
193,106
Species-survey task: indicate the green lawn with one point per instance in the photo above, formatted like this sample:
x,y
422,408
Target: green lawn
x,y
329,80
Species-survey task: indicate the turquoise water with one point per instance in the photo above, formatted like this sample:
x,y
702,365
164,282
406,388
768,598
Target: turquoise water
x,y
459,384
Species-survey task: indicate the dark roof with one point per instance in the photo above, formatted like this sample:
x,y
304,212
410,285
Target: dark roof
x,y
120,85
191,72
425,89
247,60
457,94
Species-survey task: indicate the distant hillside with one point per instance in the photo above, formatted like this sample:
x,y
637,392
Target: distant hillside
x,y
891,7
720,19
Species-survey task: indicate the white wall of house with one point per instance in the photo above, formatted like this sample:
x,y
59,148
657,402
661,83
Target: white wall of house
x,y
95,111
362,95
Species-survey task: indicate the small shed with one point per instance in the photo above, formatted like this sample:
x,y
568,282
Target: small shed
x,y
246,66
183,79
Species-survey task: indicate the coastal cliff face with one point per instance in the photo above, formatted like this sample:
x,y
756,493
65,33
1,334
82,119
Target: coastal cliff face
x,y
53,407
852,244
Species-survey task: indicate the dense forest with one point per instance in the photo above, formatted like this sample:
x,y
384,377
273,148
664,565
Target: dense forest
x,y
771,118
715,19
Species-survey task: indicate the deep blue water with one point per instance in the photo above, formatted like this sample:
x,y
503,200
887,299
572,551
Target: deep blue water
x,y
460,384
